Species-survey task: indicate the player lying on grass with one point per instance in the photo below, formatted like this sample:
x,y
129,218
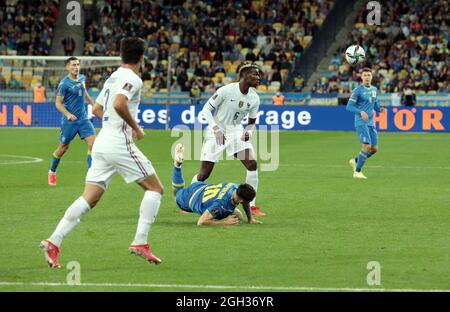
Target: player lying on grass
x,y
215,203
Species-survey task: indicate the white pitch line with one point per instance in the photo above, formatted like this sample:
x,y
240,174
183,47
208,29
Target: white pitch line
x,y
27,160
243,287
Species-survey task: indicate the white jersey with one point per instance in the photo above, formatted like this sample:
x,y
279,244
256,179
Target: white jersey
x,y
116,133
231,106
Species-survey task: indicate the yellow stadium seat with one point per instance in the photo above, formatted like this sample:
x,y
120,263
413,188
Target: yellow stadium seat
x,y
163,90
432,92
262,88
219,75
206,62
277,26
268,63
227,64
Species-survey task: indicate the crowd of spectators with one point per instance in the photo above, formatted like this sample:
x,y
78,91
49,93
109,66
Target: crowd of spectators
x,y
410,51
208,39
27,26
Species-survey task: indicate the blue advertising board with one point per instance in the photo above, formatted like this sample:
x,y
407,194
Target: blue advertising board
x,y
153,116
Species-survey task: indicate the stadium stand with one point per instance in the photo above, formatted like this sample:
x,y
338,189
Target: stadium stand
x,y
208,39
409,51
27,29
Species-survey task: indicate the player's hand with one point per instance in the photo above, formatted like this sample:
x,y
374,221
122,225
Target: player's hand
x,y
364,116
71,117
246,135
254,221
220,137
231,220
138,134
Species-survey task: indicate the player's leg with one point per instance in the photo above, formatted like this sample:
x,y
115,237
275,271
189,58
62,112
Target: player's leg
x,y
373,141
206,167
133,166
210,154
87,133
248,160
365,140
148,211
51,246
68,132
177,174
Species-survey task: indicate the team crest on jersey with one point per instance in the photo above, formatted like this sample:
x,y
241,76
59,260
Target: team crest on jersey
x,y
127,86
241,103
248,105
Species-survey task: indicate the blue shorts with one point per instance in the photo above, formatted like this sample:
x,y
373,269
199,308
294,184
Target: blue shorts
x,y
83,128
367,135
184,195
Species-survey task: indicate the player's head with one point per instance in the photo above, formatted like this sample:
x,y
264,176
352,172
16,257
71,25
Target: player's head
x,y
250,73
366,76
244,193
73,65
132,50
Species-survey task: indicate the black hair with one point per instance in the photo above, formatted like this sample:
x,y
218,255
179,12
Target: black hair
x,y
72,58
131,50
246,192
244,68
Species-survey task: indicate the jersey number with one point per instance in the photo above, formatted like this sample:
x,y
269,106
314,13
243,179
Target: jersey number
x,y
236,116
211,192
105,118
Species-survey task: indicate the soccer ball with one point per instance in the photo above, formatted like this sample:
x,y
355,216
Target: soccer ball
x,y
355,54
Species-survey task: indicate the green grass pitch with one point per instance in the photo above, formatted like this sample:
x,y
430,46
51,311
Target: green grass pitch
x,y
322,226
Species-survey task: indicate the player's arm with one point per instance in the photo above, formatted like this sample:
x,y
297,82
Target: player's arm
x,y
120,104
248,131
212,104
351,106
208,219
377,107
97,110
88,97
62,109
249,215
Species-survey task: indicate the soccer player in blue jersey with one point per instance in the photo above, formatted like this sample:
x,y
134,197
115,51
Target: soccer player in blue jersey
x,y
363,102
70,102
215,203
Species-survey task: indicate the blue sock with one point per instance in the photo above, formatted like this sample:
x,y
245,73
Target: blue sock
x,y
368,156
177,178
89,160
55,163
361,160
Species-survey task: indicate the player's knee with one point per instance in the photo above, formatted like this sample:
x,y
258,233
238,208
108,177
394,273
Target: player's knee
x,y
202,176
252,166
374,150
64,147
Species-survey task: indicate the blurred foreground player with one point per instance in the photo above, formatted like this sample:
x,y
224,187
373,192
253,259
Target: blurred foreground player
x,y
114,151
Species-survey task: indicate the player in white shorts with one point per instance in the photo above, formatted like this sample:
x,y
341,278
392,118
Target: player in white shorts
x,y
231,104
115,151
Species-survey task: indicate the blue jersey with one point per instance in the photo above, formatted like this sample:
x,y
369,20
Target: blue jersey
x,y
364,99
216,198
73,92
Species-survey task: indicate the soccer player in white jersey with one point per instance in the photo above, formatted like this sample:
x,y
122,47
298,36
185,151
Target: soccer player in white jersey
x,y
115,151
231,104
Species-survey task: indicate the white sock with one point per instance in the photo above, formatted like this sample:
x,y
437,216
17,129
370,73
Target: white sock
x,y
147,215
252,179
70,220
194,179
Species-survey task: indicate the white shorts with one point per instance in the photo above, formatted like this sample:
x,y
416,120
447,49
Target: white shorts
x,y
131,164
211,151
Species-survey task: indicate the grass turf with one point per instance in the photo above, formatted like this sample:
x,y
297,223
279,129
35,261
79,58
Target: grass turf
x,y
322,226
